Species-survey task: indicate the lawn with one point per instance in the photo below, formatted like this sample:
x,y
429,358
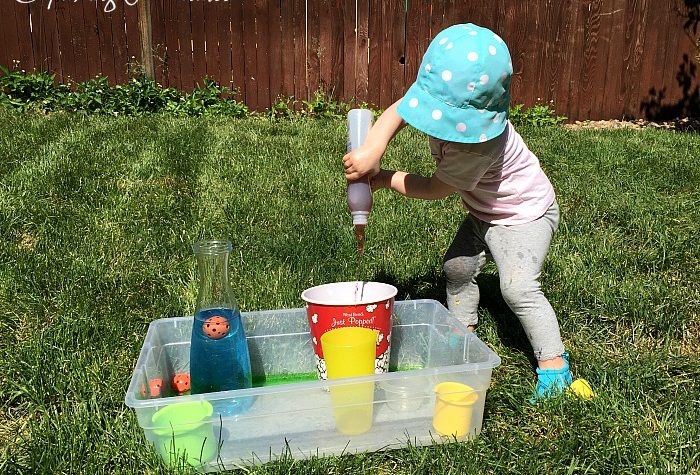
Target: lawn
x,y
97,219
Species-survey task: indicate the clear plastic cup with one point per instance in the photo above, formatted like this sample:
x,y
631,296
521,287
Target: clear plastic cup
x,y
404,394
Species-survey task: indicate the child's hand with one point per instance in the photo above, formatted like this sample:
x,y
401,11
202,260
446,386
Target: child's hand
x,y
361,161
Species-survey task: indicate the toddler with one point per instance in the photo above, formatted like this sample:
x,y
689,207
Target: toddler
x,y
461,101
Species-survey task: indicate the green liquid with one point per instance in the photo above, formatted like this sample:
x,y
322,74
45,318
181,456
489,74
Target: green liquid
x,y
277,379
261,381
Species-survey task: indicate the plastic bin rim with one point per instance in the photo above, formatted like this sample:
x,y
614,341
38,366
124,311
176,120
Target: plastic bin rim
x,y
493,361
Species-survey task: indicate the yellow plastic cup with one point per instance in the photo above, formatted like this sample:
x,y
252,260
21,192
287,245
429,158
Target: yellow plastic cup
x,y
184,433
350,351
453,409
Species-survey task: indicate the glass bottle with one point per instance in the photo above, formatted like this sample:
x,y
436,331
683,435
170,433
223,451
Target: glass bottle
x,y
219,358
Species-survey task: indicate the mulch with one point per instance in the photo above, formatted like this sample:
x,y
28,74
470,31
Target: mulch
x,y
685,124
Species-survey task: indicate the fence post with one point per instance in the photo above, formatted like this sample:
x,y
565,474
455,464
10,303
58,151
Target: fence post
x,y
144,10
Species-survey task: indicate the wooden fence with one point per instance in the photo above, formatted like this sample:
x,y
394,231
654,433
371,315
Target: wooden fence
x,y
592,58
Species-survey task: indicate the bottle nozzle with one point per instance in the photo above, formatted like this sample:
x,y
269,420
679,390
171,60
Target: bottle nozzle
x,y
359,217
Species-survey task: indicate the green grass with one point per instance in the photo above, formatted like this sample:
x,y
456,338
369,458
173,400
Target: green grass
x,y
97,218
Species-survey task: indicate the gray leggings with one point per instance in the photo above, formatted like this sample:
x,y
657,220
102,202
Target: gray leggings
x,y
518,252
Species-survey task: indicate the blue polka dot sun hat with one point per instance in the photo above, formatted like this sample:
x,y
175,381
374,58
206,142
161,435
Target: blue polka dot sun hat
x,y
462,92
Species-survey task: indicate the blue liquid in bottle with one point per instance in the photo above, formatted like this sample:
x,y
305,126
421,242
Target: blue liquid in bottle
x,y
219,357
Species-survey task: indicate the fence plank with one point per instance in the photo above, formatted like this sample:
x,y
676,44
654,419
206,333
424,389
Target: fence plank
x,y
287,47
635,37
414,41
172,55
337,51
262,22
251,72
133,37
276,49
350,50
38,44
675,66
49,28
614,86
576,42
592,68
662,64
9,53
104,38
79,42
121,59
211,13
92,38
65,41
385,38
26,55
301,91
158,41
185,40
567,39
437,14
375,53
237,54
398,50
653,44
362,56
313,46
688,104
498,16
515,34
230,44
325,45
199,58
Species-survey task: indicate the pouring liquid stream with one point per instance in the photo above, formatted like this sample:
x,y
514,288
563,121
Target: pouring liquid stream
x,y
360,237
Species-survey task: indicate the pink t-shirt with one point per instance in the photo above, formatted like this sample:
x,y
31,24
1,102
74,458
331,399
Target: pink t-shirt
x,y
500,180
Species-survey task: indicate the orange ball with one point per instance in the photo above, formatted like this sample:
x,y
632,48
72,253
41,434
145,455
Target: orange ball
x,y
154,387
216,327
181,383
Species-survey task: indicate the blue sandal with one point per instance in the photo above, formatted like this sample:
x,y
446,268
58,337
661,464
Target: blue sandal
x,y
552,382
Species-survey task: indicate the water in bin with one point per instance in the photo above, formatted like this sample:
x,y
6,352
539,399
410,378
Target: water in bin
x,y
219,357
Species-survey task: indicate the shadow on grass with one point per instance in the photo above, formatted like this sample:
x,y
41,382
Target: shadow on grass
x,y
431,285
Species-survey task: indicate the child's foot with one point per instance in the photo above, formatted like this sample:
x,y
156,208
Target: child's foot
x,y
552,382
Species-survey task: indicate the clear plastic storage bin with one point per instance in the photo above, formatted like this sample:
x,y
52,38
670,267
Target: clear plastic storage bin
x,y
292,412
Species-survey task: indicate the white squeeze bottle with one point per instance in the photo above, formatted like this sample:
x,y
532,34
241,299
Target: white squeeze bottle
x,y
359,191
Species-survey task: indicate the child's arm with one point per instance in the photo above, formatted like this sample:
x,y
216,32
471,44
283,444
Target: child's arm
x,y
365,159
412,186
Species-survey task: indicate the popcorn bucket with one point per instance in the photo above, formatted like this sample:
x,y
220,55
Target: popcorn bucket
x,y
349,304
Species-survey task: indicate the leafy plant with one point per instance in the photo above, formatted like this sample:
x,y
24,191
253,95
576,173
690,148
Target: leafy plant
x,y
325,106
30,91
283,108
140,95
540,115
210,98
39,91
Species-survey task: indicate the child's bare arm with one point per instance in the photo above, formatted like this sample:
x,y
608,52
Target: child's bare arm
x,y
365,159
412,186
